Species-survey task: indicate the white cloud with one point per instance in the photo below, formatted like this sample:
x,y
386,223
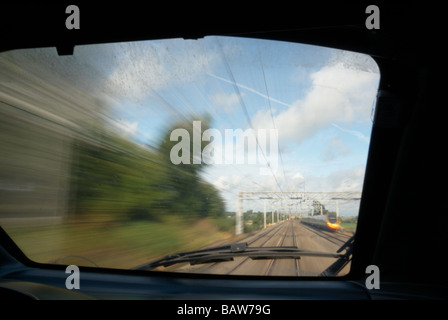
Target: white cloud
x,y
347,180
355,133
228,102
137,75
299,177
337,94
334,149
341,180
126,127
224,99
142,68
222,183
249,89
296,182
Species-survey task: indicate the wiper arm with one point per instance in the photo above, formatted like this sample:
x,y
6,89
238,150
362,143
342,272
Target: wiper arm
x,y
189,256
229,252
343,260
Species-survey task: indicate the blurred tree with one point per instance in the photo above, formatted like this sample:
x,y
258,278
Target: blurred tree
x,y
114,176
319,208
191,195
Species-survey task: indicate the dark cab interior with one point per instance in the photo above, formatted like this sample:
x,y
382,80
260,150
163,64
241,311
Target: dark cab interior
x,y
403,212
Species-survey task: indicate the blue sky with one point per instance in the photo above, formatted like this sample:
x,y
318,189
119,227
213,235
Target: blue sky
x,y
320,101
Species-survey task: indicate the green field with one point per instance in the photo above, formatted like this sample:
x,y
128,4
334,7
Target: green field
x,y
114,245
349,223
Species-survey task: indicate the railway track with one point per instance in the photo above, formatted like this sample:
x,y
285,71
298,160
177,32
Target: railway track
x,y
288,239
286,234
259,239
282,235
336,237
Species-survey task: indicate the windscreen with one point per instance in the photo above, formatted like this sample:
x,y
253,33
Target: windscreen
x,y
124,153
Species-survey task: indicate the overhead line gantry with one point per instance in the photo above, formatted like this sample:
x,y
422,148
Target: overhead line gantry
x,y
303,196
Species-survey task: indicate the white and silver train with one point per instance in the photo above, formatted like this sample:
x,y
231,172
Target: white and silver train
x,y
328,221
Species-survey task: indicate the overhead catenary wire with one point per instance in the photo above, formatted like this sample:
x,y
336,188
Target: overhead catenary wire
x,y
246,113
272,116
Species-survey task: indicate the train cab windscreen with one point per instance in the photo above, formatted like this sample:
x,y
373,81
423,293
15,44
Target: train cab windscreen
x,y
222,155
332,218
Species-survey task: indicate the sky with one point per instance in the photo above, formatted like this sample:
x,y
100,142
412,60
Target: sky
x,y
317,101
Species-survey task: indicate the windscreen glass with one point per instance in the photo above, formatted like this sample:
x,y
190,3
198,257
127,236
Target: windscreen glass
x,y
245,156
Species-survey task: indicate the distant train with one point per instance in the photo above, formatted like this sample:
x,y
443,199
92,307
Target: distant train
x,y
328,221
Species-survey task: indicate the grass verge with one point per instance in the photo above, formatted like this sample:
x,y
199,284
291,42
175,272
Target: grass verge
x,y
113,244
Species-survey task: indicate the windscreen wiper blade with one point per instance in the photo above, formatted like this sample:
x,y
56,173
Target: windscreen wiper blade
x,y
342,261
229,252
